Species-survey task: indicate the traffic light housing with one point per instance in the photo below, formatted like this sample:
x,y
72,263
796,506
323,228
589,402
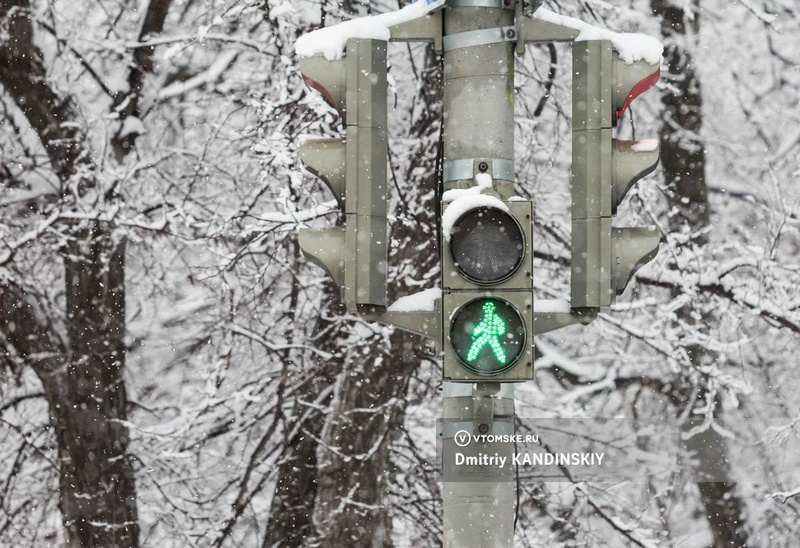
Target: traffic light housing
x,y
487,290
604,258
354,169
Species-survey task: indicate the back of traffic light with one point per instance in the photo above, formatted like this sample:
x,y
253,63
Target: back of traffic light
x,y
603,169
354,169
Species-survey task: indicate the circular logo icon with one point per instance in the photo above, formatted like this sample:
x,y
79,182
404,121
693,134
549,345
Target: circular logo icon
x,y
462,438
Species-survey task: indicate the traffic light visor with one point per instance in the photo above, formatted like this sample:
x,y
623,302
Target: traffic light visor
x,y
487,335
638,88
487,245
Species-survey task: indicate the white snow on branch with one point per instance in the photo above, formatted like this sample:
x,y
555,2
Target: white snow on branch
x,y
768,18
785,495
29,237
244,332
132,126
282,9
631,47
424,301
198,38
111,526
553,357
331,41
211,75
300,216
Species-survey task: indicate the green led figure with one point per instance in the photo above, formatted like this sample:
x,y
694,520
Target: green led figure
x,y
488,333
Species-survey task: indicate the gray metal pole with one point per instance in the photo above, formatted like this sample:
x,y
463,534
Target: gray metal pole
x,y
479,504
479,92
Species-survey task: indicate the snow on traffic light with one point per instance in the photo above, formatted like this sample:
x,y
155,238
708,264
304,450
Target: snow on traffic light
x,y
604,258
488,288
354,169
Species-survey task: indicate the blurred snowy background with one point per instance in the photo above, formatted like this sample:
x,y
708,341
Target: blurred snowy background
x,y
258,412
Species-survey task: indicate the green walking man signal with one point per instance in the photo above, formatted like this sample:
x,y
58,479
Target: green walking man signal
x,y
487,333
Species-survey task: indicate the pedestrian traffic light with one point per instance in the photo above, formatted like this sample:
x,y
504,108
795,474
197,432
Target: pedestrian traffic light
x,y
603,169
487,289
354,168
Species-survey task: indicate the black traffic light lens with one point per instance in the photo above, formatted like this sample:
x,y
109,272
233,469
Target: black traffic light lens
x,y
487,335
487,245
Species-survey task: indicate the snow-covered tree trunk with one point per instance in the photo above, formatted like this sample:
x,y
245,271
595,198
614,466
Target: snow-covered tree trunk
x,y
355,471
351,507
82,369
87,397
684,164
290,520
292,509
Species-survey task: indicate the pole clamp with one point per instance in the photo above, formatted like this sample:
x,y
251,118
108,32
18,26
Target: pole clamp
x,y
482,37
483,400
459,170
497,4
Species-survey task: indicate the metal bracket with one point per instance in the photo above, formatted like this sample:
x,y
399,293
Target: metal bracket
x,y
461,170
422,29
531,30
483,406
497,4
525,30
482,37
425,323
544,322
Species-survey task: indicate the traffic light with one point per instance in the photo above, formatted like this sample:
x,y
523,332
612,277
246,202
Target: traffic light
x,y
354,168
603,169
487,289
